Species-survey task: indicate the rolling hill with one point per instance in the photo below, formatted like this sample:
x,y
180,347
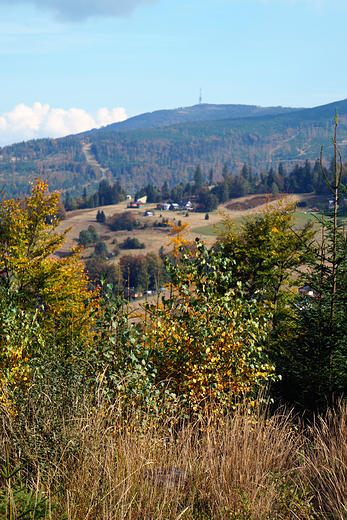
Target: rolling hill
x,y
170,152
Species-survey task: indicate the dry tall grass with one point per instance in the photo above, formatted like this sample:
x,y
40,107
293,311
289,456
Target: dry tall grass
x,y
111,465
327,461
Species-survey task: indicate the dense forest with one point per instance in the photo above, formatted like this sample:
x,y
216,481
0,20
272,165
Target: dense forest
x,y
201,112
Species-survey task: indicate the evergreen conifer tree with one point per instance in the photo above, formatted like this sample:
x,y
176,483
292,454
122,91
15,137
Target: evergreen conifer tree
x,y
313,363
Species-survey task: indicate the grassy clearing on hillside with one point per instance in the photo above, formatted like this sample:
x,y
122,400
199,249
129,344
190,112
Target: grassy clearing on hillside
x,y
206,230
154,237
303,218
212,230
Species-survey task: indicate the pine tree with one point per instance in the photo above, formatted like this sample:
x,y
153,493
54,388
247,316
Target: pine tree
x,y
100,216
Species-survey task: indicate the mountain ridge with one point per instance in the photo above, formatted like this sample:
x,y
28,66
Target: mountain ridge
x,y
170,153
200,112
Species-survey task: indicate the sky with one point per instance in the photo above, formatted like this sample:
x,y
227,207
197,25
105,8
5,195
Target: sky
x,y
71,65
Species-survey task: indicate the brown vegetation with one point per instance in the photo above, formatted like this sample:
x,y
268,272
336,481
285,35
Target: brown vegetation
x,y
248,466
251,202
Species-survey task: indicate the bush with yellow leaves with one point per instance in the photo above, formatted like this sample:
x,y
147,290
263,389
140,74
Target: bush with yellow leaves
x,y
206,339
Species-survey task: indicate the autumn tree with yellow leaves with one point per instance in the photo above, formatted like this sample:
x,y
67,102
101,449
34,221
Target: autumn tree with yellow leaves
x,y
44,298
215,336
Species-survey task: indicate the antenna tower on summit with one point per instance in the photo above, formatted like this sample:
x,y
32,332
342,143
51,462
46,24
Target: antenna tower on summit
x,y
200,98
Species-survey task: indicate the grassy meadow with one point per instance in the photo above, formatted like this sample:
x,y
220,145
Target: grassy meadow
x,y
154,237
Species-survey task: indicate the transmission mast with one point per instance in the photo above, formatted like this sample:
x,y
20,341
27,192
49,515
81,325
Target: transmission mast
x,y
200,98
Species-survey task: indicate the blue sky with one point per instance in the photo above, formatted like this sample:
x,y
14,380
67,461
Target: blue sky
x,y
70,65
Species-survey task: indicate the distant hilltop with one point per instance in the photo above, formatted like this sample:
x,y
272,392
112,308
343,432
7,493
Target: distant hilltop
x,y
201,112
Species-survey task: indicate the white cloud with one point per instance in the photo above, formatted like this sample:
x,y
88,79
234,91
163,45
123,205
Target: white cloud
x,y
37,121
3,123
26,117
105,117
61,122
78,10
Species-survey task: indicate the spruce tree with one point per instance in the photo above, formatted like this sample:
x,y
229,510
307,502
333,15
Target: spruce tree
x,y
313,364
198,178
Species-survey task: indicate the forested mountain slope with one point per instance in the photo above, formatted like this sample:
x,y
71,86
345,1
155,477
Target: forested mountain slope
x,y
171,153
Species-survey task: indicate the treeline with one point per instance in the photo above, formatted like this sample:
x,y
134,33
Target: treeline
x,y
138,273
302,179
105,195
203,190
207,194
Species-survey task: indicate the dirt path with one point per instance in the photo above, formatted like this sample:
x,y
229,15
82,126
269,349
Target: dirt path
x,y
91,159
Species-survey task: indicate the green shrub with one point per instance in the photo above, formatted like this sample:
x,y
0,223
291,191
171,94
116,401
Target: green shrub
x,y
132,243
101,249
88,236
